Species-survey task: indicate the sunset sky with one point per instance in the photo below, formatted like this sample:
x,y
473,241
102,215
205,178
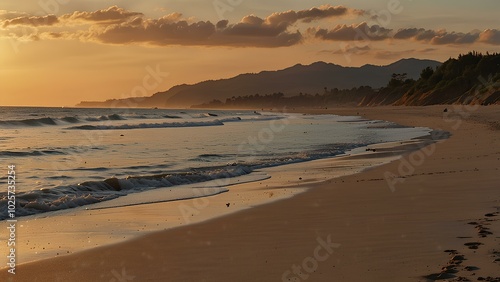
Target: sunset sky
x,y
60,52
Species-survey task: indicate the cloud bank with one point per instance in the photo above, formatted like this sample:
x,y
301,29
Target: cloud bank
x,y
116,25
364,32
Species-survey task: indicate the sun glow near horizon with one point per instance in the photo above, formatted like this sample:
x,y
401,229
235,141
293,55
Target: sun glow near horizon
x,y
100,53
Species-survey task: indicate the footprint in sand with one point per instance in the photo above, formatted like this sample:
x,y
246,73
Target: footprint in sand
x,y
473,245
471,268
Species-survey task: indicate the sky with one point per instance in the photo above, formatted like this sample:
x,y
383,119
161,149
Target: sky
x,y
61,52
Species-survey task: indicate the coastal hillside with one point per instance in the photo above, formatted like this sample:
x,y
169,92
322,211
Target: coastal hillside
x,y
471,78
291,81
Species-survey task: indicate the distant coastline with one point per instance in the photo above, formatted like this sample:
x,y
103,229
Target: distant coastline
x,y
472,78
291,81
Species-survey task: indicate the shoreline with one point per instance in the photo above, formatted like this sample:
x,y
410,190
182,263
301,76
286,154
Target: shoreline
x,y
99,225
208,256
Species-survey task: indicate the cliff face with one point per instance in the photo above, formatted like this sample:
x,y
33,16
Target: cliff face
x,y
472,78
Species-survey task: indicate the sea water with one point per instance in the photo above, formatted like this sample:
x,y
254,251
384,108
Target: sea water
x,y
73,157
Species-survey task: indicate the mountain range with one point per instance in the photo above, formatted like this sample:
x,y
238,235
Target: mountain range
x,y
310,79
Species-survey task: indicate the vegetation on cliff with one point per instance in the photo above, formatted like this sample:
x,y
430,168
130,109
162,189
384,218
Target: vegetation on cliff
x,y
472,78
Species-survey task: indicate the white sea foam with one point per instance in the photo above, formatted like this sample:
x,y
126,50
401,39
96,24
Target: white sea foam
x,y
110,166
148,125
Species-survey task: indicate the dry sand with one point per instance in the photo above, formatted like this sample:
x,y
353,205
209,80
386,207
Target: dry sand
x,y
59,233
390,223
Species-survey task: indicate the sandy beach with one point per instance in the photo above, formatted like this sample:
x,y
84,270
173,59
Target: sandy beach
x,y
436,207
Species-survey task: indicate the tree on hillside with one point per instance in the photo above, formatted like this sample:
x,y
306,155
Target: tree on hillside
x,y
426,73
397,79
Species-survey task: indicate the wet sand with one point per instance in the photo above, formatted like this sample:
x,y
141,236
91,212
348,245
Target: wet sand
x,y
403,221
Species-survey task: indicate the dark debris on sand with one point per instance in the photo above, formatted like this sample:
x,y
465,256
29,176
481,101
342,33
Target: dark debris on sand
x,y
489,279
454,270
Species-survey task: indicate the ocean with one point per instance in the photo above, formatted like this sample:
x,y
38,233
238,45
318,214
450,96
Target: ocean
x,y
73,157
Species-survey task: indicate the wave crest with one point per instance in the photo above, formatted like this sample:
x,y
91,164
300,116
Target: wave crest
x,y
148,125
